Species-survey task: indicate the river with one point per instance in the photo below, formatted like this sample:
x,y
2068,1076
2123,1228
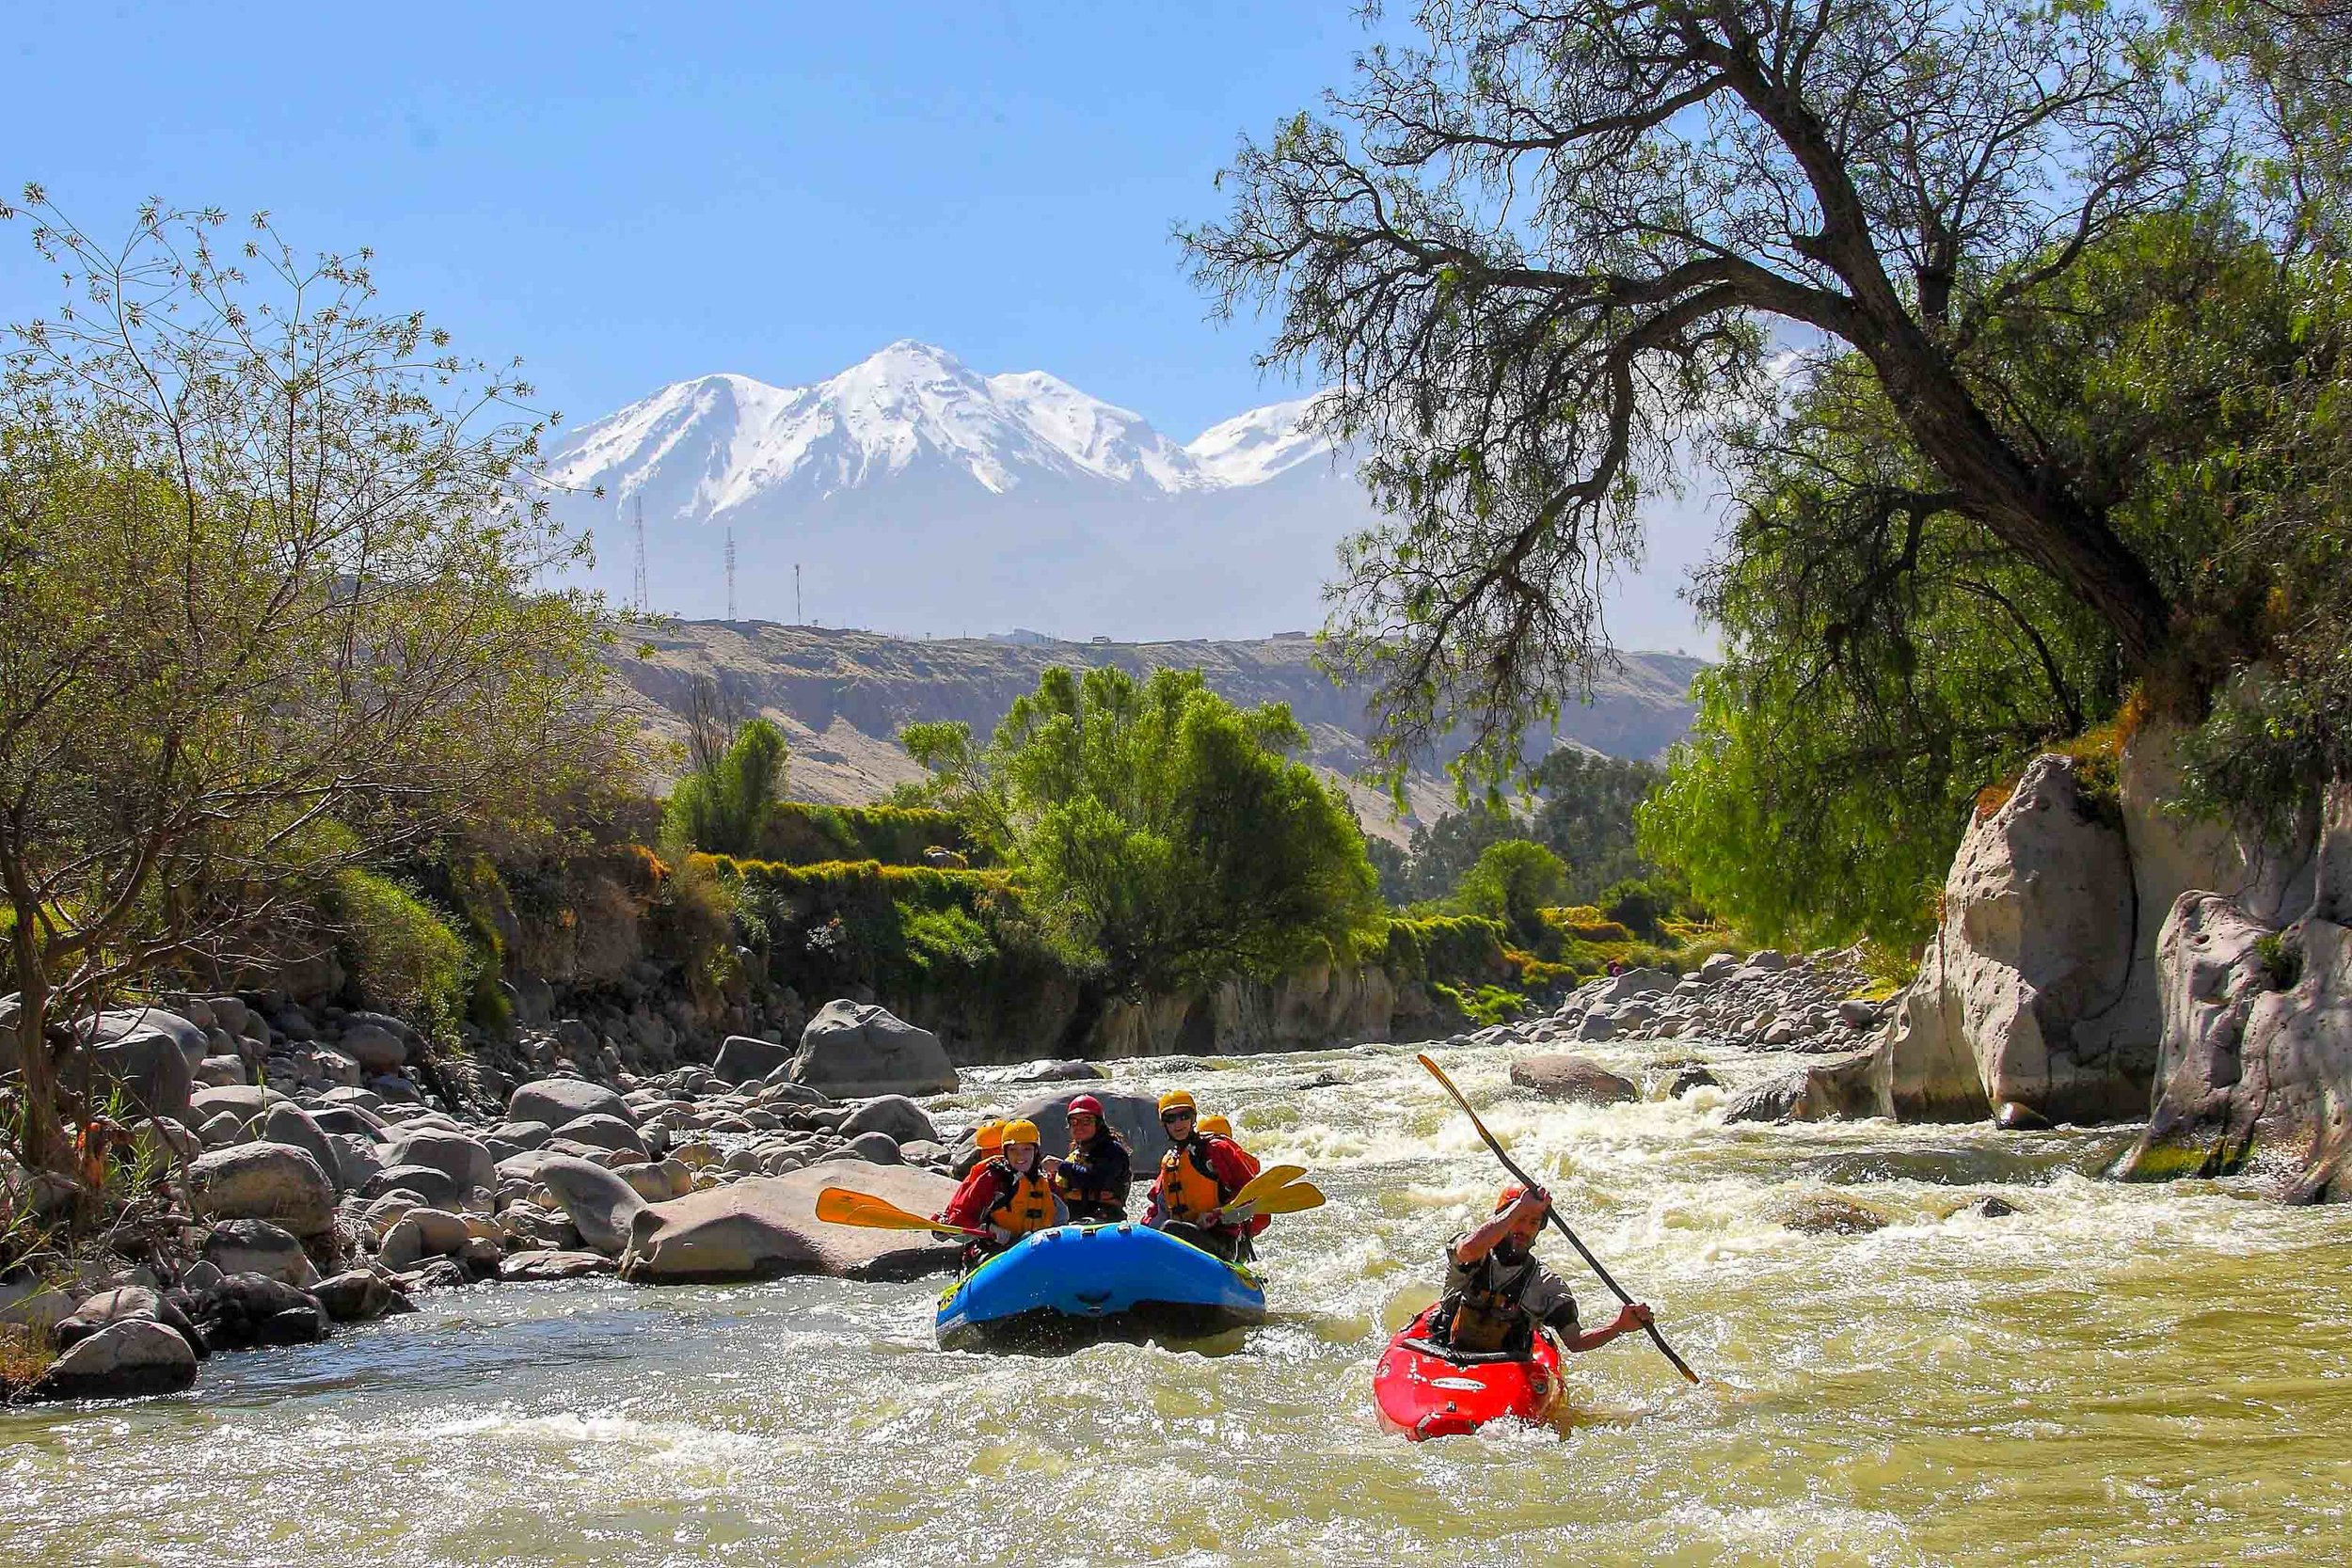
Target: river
x,y
2114,1374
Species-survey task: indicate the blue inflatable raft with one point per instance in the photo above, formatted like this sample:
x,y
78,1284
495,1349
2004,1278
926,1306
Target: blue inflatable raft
x,y
1091,1281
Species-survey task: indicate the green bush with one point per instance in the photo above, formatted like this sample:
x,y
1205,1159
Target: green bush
x,y
1447,949
400,954
724,809
798,833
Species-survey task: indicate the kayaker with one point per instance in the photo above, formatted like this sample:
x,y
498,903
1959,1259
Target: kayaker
x,y
1217,1127
1496,1292
1093,1179
1199,1172
1009,1196
988,1140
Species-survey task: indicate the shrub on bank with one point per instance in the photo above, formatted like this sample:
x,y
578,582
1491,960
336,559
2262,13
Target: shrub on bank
x,y
798,833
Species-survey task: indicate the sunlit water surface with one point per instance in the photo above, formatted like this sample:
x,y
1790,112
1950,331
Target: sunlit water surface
x,y
2115,1374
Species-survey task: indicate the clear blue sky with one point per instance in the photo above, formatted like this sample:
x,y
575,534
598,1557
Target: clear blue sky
x,y
629,195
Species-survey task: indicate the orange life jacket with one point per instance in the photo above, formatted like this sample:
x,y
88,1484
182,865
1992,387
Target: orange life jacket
x,y
1189,1188
1027,1204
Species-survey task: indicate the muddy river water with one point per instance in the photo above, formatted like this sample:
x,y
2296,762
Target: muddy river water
x,y
2113,1374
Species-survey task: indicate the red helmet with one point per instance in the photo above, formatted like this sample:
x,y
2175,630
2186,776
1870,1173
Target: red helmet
x,y
1511,1195
1084,1105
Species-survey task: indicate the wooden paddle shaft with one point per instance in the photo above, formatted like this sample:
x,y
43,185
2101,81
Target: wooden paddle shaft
x,y
1553,1215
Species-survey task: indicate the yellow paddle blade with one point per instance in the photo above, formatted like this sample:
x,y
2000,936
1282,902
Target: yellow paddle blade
x,y
1266,1182
1292,1200
841,1205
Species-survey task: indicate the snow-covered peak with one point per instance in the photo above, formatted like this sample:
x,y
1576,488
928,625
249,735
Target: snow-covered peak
x,y
1252,448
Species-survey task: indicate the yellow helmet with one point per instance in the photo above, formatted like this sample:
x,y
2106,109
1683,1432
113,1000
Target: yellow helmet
x,y
991,1136
1023,1131
1176,1100
1217,1126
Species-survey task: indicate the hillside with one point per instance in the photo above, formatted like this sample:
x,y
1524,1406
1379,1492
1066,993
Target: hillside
x,y
842,696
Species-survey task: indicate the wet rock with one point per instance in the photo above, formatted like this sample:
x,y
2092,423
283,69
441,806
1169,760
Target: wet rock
x,y
763,1227
859,1048
1680,1079
557,1100
1847,1087
263,1181
1056,1073
743,1059
599,1203
1134,1116
249,1309
542,1266
893,1114
1827,1214
120,1305
257,1246
130,1358
359,1296
2013,1117
1578,1079
1989,1207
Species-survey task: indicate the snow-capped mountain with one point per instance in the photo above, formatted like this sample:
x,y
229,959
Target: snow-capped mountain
x,y
917,495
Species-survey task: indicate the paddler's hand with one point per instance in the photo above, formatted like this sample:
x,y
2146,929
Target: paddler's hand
x,y
1633,1315
1238,1213
998,1234
1051,1165
1533,1201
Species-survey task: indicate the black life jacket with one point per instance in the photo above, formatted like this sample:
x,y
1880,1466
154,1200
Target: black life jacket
x,y
1486,1314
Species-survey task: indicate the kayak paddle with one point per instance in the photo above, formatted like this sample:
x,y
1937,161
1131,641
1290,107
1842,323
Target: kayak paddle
x,y
1265,1181
1552,1213
842,1205
1296,1197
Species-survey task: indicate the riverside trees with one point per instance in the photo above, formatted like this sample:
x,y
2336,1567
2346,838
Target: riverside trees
x,y
1158,830
2019,330
267,613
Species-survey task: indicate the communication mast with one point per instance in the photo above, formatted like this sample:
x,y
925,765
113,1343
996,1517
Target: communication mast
x,y
730,573
637,589
797,619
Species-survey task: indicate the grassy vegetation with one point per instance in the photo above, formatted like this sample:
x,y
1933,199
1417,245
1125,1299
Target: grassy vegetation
x,y
800,834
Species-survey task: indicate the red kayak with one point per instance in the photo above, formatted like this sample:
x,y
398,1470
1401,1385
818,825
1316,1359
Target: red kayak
x,y
1424,1391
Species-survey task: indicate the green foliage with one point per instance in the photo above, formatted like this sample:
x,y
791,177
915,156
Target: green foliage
x,y
1581,810
399,952
2281,959
1514,881
1640,908
1447,948
1158,830
1483,1005
725,809
800,834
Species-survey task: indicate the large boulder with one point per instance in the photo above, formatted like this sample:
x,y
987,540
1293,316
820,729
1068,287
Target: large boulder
x,y
257,1246
436,1187
126,1359
465,1161
1577,1079
242,1101
272,1181
292,1124
1848,1087
557,1100
894,1114
152,1053
859,1048
374,1047
602,1207
763,1227
602,1131
743,1059
358,1295
2017,993
249,1309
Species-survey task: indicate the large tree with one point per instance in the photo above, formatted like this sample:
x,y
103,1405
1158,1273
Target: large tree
x,y
268,611
1537,255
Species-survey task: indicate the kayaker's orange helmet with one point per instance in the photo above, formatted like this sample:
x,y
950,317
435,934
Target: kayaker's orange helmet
x,y
990,1138
1022,1131
1217,1126
1511,1195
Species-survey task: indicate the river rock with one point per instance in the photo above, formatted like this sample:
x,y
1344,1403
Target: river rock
x,y
745,1059
376,1047
656,1182
1577,1079
599,1204
894,1114
543,1266
2017,994
763,1227
1827,1214
465,1161
852,1049
879,1148
127,1359
263,1181
120,1305
1134,1116
1768,960
1848,1087
1717,968
359,1296
242,1101
337,1118
249,1309
517,1136
1064,1072
606,1132
257,1246
432,1185
557,1100
292,1124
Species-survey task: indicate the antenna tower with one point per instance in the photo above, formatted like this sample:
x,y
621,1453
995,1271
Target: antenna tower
x,y
797,619
637,589
730,573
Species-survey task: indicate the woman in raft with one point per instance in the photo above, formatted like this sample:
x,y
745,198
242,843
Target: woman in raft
x,y
1008,1197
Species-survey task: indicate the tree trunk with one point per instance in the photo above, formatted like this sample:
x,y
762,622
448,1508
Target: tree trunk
x,y
45,1147
2025,505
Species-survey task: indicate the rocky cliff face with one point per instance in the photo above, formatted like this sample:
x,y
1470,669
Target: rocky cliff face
x,y
2256,1069
842,697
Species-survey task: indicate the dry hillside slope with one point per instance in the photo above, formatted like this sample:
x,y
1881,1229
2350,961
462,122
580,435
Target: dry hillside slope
x,y
841,697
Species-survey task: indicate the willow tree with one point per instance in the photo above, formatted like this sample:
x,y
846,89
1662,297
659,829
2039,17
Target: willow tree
x,y
268,610
1539,253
